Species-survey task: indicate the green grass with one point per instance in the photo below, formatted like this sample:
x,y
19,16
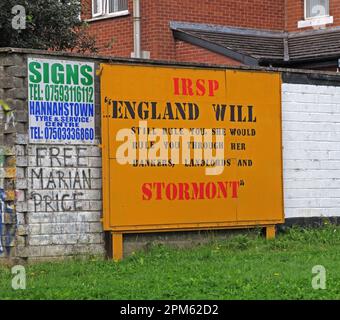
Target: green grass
x,y
242,267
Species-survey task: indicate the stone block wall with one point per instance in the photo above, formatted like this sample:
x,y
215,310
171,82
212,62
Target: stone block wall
x,y
12,98
50,205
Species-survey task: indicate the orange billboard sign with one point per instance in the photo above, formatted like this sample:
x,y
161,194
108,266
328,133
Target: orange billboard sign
x,y
190,148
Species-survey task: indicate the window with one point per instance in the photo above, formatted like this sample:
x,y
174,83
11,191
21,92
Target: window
x,y
317,14
108,7
97,8
316,8
117,5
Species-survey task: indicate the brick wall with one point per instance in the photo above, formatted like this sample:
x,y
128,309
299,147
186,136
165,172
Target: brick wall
x,y
252,14
311,150
115,35
295,13
186,52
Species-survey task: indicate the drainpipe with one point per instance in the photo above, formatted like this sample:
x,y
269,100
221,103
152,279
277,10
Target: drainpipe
x,y
137,29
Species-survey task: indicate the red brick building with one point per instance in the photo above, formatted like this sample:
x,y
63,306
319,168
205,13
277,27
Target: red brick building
x,y
289,33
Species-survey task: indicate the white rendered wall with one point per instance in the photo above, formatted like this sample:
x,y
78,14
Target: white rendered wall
x,y
311,150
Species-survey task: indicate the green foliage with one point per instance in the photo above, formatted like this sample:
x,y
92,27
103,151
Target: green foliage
x,y
240,267
239,242
50,25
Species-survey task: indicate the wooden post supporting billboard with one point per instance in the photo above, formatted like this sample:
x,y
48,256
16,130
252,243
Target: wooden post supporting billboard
x,y
190,149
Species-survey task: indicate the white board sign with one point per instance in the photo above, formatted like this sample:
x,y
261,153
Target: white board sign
x,y
61,101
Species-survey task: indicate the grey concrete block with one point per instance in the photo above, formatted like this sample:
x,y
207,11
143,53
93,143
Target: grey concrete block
x,y
16,93
17,71
22,139
21,115
12,60
19,106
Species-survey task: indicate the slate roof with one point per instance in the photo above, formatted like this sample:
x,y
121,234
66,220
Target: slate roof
x,y
314,45
257,47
